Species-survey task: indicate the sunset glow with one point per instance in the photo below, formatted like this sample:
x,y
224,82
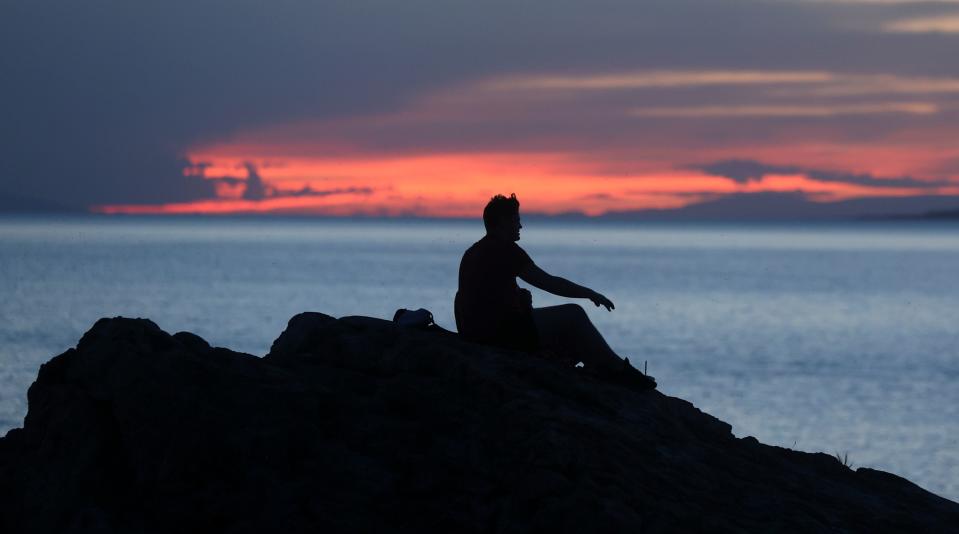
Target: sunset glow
x,y
459,186
592,144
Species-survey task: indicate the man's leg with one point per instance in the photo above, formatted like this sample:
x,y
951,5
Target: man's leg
x,y
566,329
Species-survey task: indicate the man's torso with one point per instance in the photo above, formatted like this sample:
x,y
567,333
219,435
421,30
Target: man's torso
x,y
489,307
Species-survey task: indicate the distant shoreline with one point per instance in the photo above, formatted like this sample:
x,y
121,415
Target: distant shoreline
x,y
932,217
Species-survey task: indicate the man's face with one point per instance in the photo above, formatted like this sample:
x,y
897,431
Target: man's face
x,y
514,227
507,228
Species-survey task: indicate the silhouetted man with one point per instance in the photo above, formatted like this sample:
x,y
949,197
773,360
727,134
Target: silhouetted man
x,y
491,308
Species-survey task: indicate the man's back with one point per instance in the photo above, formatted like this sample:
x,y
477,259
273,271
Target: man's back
x,y
490,307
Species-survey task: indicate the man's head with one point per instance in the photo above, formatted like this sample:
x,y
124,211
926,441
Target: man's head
x,y
501,217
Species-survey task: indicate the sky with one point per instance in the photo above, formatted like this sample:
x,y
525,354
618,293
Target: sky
x,y
428,108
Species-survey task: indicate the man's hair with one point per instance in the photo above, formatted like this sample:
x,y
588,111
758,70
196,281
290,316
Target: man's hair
x,y
500,208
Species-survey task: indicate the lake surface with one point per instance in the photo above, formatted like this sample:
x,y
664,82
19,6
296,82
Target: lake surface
x,y
836,338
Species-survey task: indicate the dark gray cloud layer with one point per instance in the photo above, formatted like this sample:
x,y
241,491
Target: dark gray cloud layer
x,y
255,188
100,99
795,206
744,171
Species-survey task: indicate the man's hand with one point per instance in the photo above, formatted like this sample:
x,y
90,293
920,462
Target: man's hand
x,y
600,300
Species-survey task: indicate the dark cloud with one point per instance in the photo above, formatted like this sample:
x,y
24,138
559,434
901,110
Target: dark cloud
x,y
743,171
100,100
255,188
598,196
793,206
308,191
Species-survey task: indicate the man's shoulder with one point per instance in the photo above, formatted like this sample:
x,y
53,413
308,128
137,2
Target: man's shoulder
x,y
474,248
483,245
488,246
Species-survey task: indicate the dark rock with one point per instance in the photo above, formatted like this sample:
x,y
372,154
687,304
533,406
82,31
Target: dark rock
x,y
303,333
192,342
356,424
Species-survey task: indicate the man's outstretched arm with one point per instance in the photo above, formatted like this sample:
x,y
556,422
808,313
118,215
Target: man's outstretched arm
x,y
537,277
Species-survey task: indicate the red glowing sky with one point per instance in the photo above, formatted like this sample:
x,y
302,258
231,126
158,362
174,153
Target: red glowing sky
x,y
430,107
594,144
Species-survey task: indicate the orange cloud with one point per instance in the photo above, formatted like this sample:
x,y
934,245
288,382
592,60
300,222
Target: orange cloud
x,y
458,185
656,79
939,24
591,143
440,185
701,112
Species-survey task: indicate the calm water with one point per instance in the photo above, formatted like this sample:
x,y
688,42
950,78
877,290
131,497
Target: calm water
x,y
834,338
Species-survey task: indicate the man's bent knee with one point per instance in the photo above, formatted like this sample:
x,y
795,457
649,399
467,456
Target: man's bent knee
x,y
573,309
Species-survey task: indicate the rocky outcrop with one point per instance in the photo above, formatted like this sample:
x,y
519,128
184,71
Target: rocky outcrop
x,y
355,424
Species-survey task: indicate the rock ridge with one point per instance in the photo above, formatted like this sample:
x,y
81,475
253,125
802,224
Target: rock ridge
x,y
355,424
